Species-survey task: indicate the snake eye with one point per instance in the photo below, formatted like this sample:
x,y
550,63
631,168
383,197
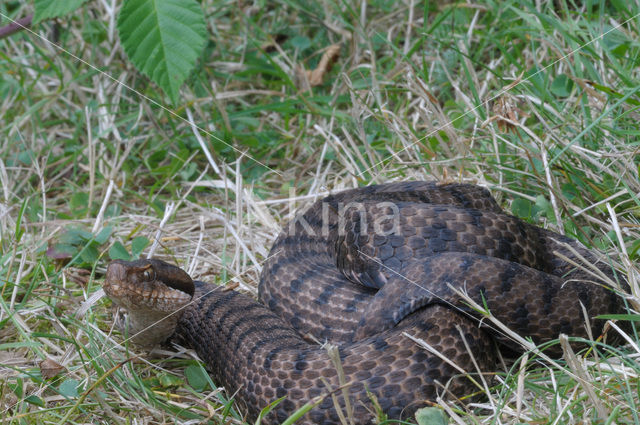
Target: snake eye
x,y
149,274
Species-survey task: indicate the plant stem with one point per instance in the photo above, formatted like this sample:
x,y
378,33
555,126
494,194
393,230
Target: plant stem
x,y
15,26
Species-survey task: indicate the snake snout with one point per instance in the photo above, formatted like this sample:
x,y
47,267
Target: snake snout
x,y
116,272
114,279
147,285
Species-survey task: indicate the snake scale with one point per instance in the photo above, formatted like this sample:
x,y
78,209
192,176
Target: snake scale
x,y
363,268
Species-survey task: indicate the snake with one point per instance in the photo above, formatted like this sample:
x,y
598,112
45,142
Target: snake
x,y
375,301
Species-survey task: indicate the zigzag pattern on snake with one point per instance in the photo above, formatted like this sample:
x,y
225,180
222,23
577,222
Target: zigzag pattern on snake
x,y
361,268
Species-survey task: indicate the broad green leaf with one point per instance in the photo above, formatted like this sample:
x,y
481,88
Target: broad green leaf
x,y
431,416
118,252
166,380
544,206
17,387
521,208
61,251
163,39
69,388
25,157
75,236
89,254
562,86
196,377
104,234
301,42
138,245
46,9
79,202
35,400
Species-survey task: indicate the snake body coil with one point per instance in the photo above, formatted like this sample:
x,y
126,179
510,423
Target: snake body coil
x,y
362,269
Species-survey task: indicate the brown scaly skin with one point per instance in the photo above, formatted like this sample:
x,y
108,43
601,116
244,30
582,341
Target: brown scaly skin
x,y
336,283
151,292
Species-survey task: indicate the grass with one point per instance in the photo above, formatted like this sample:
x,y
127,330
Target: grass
x,y
536,100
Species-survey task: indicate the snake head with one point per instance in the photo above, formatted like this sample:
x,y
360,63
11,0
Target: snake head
x,y
153,294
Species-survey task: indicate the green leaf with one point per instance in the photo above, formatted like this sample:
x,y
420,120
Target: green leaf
x,y
629,317
431,416
521,208
163,39
75,236
635,248
301,42
119,252
17,387
544,206
562,86
196,377
46,9
35,400
89,254
614,93
104,234
25,157
79,201
61,251
94,32
165,380
69,388
19,229
138,245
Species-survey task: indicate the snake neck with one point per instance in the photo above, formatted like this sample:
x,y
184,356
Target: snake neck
x,y
222,325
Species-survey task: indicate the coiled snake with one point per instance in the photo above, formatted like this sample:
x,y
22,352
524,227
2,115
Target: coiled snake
x,y
362,269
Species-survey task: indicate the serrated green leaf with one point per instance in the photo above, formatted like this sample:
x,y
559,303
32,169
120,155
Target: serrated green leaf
x,y
46,9
163,39
119,252
138,245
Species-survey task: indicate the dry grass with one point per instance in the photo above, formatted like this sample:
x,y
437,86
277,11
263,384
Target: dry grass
x,y
454,97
